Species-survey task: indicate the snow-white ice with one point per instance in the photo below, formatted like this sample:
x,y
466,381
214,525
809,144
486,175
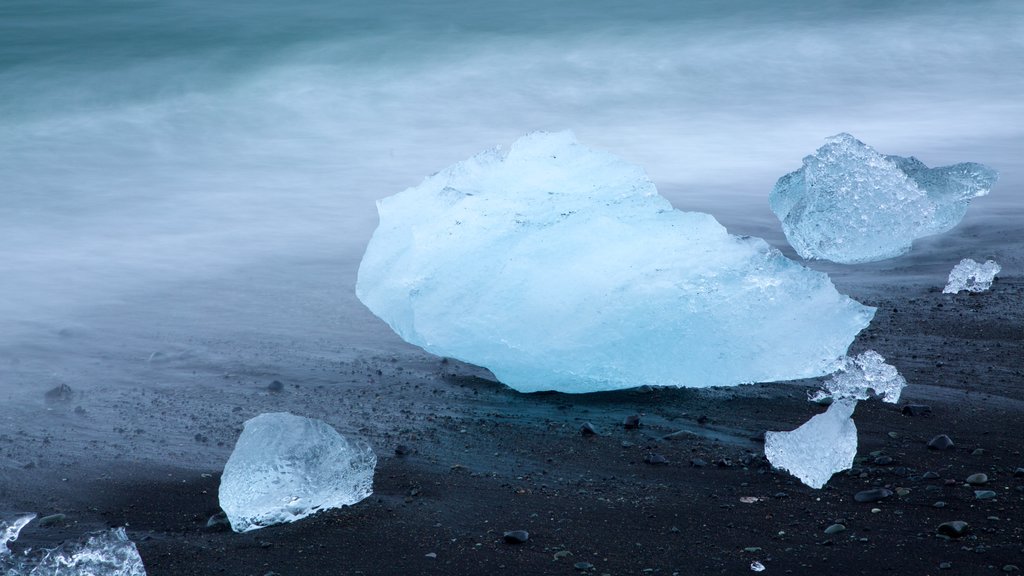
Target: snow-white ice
x,y
561,268
9,530
107,553
972,276
822,446
850,204
862,376
286,467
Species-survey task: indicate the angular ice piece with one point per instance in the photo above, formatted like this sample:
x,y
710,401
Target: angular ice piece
x,y
561,268
850,204
970,275
108,553
824,445
858,377
9,531
286,467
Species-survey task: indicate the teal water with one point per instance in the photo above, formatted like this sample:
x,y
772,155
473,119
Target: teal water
x,y
174,174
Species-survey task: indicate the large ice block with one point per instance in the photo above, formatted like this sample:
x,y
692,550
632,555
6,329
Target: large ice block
x,y
861,376
286,467
822,446
850,204
971,276
561,268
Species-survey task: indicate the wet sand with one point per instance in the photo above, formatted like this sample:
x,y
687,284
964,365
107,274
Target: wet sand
x,y
482,459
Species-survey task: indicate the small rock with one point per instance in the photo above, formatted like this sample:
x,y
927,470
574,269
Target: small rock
x,y
588,429
977,479
954,529
939,504
835,529
916,409
902,492
940,442
62,393
1019,472
1010,568
698,463
275,386
631,422
562,554
430,555
79,410
978,452
882,461
402,450
218,523
583,566
984,494
929,475
873,495
656,460
945,565
516,536
51,520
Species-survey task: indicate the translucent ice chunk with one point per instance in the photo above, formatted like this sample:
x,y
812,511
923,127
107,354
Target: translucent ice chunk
x,y
9,531
561,268
850,204
286,467
824,445
108,553
858,377
972,276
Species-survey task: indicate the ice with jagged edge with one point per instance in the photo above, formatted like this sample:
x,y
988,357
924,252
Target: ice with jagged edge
x,y
972,276
822,446
561,268
862,376
286,467
850,204
107,553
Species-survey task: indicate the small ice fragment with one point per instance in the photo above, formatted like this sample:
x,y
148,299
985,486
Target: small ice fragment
x,y
972,276
9,531
850,204
858,377
822,446
757,566
107,553
286,467
559,267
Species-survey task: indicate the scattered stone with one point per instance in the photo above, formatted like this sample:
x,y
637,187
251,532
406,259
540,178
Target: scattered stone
x,y
939,504
1019,472
631,422
588,429
1010,568
430,555
929,475
902,491
275,387
583,566
945,565
402,450
835,529
62,393
79,410
516,536
916,409
984,494
698,463
218,522
562,554
883,461
940,442
873,495
51,520
893,435
978,452
954,529
656,460
977,479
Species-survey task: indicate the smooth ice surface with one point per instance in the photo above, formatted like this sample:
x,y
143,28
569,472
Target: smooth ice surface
x,y
850,204
861,376
972,276
9,531
108,553
286,467
824,445
561,268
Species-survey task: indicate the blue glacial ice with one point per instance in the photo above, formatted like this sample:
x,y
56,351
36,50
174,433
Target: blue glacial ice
x,y
971,276
106,553
561,268
850,204
822,446
286,467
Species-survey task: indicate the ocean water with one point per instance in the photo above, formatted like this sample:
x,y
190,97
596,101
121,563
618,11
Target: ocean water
x,y
196,181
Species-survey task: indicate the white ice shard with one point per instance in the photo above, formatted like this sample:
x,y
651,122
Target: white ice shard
x,y
561,268
107,553
824,445
286,467
861,376
9,531
850,204
972,276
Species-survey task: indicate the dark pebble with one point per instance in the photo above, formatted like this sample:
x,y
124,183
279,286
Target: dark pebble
x,y
916,409
940,442
939,504
698,463
588,429
51,520
656,460
218,523
984,494
62,393
929,475
873,495
402,450
583,566
977,479
275,386
945,565
1019,472
835,529
631,422
516,536
954,529
883,461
